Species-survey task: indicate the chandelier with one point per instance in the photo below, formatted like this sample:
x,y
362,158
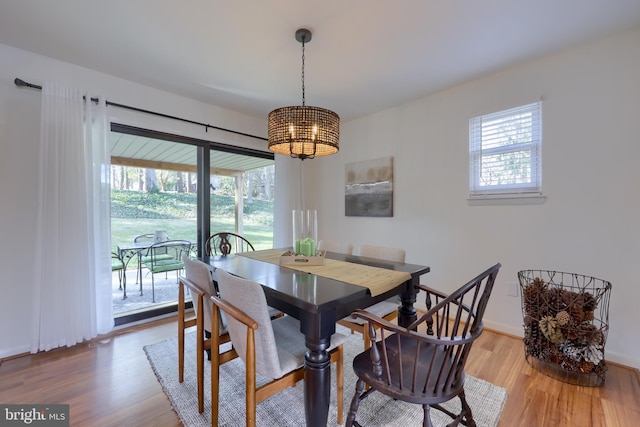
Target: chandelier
x,y
301,131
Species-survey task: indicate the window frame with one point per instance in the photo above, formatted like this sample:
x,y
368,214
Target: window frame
x,y
531,147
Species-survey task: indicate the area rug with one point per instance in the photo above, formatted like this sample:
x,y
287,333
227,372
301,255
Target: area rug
x,y
287,407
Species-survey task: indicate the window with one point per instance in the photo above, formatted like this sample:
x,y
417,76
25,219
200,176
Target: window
x,y
505,152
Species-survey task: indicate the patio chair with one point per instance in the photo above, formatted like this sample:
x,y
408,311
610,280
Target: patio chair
x,y
273,348
150,238
117,265
199,284
225,243
164,257
388,309
427,369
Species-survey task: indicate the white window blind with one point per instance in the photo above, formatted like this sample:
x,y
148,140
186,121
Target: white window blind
x,y
505,152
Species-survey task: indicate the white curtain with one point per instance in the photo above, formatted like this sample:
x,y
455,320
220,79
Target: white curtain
x,y
72,264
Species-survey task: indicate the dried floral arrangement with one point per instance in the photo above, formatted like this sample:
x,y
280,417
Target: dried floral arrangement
x,y
565,323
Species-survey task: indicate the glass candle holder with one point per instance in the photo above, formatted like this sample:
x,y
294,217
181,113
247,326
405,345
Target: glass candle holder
x,y
305,232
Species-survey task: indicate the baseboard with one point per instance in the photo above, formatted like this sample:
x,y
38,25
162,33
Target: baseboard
x,y
504,328
14,353
612,357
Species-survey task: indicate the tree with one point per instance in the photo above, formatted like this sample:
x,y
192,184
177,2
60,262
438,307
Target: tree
x,y
180,183
164,179
150,177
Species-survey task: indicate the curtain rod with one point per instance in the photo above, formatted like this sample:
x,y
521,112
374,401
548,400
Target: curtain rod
x,y
21,83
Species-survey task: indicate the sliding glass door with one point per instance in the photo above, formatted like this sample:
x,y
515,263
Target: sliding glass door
x,y
171,187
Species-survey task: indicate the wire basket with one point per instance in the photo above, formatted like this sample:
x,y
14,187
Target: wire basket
x,y
566,320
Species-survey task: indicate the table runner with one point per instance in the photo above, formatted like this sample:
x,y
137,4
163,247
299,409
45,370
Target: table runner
x,y
378,280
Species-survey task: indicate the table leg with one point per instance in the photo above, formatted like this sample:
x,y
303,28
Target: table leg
x,y
407,313
317,382
124,282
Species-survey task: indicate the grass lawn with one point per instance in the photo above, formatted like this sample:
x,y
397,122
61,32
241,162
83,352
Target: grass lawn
x,y
134,213
126,229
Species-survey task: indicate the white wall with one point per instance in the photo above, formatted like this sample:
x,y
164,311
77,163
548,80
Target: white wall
x,y
590,221
19,135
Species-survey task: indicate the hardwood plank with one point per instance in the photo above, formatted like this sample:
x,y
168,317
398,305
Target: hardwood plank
x,y
109,382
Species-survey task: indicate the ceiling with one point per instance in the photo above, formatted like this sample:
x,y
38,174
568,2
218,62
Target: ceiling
x,y
365,55
144,152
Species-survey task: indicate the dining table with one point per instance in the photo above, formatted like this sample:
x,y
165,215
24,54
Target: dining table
x,y
320,295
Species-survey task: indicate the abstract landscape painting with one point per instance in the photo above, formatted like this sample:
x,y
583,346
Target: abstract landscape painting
x,y
369,188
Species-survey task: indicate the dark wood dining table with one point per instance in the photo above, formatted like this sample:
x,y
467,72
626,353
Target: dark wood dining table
x,y
318,302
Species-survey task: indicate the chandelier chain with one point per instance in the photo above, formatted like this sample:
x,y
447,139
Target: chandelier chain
x,y
303,97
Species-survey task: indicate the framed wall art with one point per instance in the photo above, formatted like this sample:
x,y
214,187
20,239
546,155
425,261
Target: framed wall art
x,y
369,188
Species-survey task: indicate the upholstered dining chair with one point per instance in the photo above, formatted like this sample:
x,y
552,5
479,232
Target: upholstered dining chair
x,y
225,243
335,246
272,348
200,285
388,309
424,362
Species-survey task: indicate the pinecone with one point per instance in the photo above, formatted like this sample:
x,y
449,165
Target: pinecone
x,y
554,355
570,298
589,303
538,282
532,336
562,318
555,301
568,363
577,313
586,367
590,334
532,297
570,330
592,354
569,349
550,329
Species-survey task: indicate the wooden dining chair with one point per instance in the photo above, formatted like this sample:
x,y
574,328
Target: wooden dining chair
x,y
273,348
335,246
200,286
424,362
225,243
388,309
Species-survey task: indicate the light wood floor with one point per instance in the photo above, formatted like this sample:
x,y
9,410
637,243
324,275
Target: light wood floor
x,y
109,382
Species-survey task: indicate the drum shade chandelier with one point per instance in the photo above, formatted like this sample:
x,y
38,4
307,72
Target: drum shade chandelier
x,y
301,131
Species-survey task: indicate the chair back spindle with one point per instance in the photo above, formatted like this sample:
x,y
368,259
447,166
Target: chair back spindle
x,y
225,243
